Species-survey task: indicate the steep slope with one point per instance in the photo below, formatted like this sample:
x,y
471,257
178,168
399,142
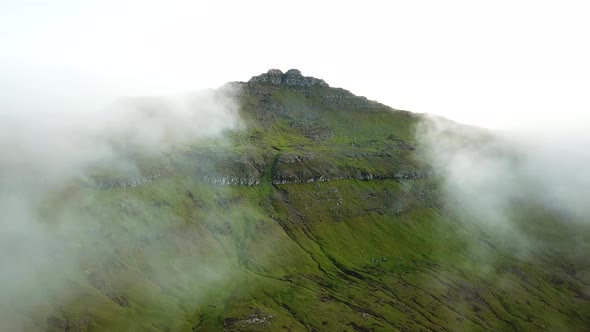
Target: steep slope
x,y
319,215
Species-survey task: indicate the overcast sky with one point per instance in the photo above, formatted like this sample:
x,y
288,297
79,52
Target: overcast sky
x,y
500,64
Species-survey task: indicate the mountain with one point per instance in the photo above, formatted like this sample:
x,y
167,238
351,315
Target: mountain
x,y
320,213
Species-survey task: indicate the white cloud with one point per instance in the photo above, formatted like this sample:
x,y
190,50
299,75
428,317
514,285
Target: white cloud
x,y
491,176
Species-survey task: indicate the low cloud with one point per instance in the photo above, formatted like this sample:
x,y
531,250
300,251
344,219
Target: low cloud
x,y
490,175
52,137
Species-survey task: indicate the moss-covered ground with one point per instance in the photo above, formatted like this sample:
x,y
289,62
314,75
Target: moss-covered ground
x,y
182,254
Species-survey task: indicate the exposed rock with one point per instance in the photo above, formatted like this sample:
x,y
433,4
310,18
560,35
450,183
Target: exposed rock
x,y
292,77
290,168
369,154
257,320
289,158
111,183
344,99
231,180
413,175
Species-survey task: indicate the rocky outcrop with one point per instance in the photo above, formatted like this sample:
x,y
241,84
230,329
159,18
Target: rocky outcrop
x,y
111,183
344,99
362,176
308,167
292,77
222,180
290,158
289,168
259,320
308,175
335,98
226,168
303,167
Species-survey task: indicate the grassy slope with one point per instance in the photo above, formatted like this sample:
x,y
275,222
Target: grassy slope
x,y
179,254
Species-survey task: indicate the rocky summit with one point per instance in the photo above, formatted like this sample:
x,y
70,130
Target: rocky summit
x,y
320,213
292,77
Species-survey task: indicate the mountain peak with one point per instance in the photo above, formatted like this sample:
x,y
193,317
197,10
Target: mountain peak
x,y
291,77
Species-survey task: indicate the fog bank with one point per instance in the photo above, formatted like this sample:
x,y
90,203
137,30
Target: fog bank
x,y
489,174
59,129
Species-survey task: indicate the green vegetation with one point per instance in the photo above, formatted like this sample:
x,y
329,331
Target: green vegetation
x,y
343,230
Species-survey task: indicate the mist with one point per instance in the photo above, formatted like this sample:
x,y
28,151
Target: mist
x,y
489,177
59,130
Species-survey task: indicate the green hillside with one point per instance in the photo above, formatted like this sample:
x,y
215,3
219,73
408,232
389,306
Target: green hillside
x,y
319,214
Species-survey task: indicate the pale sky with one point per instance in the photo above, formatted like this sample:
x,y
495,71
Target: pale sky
x,y
499,64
